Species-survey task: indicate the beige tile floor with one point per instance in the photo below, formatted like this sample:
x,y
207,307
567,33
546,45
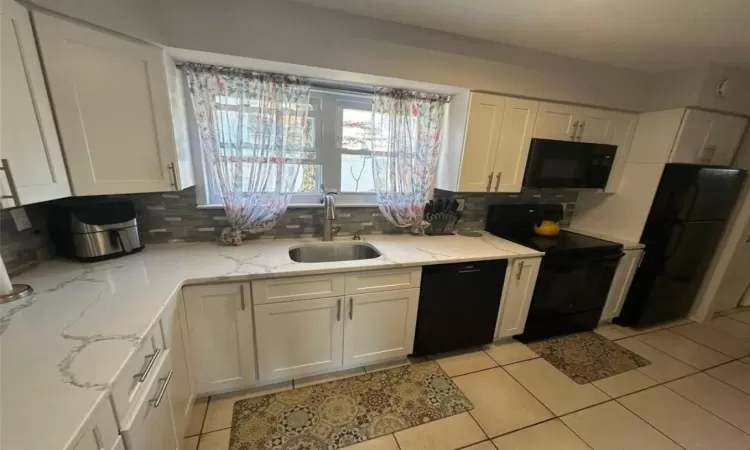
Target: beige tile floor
x,y
694,395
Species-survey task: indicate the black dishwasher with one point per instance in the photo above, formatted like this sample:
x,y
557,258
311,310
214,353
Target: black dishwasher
x,y
458,305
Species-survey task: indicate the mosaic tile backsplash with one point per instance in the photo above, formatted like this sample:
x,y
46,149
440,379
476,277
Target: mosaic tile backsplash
x,y
22,250
173,216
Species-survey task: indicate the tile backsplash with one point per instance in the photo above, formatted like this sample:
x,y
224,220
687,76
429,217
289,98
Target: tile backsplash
x,y
22,250
173,217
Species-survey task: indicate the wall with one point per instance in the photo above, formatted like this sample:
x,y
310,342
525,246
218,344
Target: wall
x,y
137,18
289,32
22,250
172,216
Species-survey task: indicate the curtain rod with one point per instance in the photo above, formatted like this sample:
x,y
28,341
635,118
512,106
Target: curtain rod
x,y
332,85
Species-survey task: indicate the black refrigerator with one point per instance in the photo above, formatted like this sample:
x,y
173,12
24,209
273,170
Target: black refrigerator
x,y
683,229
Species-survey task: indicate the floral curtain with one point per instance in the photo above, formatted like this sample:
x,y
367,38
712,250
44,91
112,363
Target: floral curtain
x,y
407,128
253,132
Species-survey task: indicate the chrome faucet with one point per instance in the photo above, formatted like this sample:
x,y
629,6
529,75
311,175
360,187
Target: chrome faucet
x,y
329,204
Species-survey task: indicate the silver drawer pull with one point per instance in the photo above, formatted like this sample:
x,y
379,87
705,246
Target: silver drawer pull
x,y
11,183
142,376
156,401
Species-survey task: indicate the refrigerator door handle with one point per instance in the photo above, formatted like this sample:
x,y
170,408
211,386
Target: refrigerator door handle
x,y
671,248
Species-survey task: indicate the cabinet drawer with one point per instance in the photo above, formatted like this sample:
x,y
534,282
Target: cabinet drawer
x,y
383,280
297,288
137,373
101,432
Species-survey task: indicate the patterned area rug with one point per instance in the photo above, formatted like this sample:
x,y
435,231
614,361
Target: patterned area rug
x,y
587,357
333,415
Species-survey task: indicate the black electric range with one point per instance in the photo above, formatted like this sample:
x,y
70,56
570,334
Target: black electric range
x,y
575,275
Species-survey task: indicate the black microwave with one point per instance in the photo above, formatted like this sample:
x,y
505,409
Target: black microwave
x,y
568,164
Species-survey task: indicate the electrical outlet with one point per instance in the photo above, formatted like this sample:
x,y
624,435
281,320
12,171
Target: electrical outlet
x,y
20,218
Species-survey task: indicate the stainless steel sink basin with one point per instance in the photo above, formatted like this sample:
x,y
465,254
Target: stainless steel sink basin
x,y
327,252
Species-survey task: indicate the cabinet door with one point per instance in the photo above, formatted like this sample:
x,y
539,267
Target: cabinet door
x,y
691,145
519,289
112,107
151,427
724,139
480,142
299,338
220,327
557,121
621,283
596,126
622,138
27,130
519,118
379,326
181,387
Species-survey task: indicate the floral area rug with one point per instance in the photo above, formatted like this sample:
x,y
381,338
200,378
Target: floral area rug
x,y
344,412
587,357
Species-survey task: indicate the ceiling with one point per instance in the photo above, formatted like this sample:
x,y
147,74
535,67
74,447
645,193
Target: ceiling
x,y
646,35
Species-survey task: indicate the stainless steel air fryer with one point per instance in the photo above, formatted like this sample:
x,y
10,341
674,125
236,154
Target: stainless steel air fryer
x,y
94,228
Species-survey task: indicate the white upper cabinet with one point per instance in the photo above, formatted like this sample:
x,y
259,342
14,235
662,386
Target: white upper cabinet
x,y
112,104
28,138
379,326
220,329
575,123
707,138
488,144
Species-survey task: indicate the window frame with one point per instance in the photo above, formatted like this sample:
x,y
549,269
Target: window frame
x,y
328,106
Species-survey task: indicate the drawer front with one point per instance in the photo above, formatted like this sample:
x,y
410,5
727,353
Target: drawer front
x,y
383,280
137,372
101,432
279,290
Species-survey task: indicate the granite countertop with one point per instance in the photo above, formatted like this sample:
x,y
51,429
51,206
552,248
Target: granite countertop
x,y
63,347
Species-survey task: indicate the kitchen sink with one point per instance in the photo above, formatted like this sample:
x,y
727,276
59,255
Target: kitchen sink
x,y
327,252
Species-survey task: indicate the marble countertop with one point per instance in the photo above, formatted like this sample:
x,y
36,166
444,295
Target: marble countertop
x,y
63,347
626,245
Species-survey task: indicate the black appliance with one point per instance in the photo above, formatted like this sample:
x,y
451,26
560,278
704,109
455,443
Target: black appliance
x,y
575,275
683,229
568,164
458,305
94,228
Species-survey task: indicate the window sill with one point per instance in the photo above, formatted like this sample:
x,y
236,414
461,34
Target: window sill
x,y
305,205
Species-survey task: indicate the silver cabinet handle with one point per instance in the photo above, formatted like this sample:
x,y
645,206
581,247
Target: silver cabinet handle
x,y
338,310
12,184
520,269
172,176
351,308
156,401
575,131
580,131
142,376
497,181
489,181
242,297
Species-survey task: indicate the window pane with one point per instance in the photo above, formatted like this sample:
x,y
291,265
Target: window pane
x,y
356,173
356,131
308,179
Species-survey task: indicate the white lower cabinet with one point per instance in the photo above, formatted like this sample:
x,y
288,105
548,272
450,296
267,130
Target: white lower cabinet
x,y
181,389
379,326
520,279
102,433
150,427
299,337
220,327
621,283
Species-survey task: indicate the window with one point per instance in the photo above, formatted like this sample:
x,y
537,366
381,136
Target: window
x,y
337,153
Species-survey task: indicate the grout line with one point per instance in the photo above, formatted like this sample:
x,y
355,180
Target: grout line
x,y
710,412
649,423
559,419
396,440
205,414
475,421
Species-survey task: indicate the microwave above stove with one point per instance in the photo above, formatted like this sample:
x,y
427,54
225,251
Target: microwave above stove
x,y
566,164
